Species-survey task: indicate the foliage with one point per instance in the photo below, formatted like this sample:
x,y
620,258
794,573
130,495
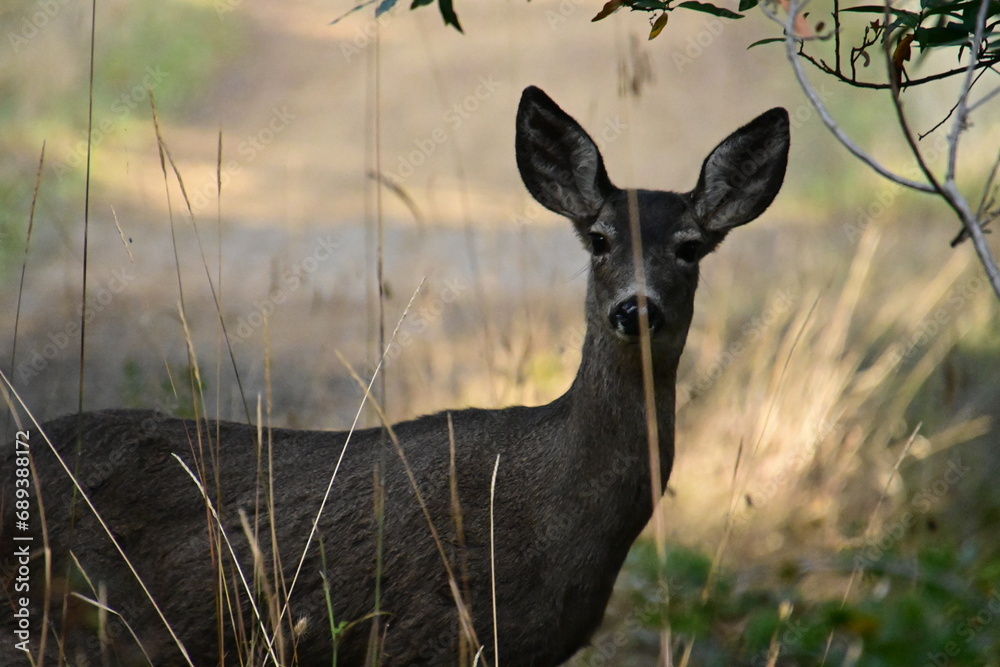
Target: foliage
x,y
173,49
940,606
971,26
937,23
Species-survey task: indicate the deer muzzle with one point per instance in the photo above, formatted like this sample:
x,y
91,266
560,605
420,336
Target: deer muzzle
x,y
626,321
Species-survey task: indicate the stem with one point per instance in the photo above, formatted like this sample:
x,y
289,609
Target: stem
x,y
824,114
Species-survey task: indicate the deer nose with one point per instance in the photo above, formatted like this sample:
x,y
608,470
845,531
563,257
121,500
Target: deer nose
x,y
625,317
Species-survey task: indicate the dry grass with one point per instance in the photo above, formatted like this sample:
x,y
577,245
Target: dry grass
x,y
806,373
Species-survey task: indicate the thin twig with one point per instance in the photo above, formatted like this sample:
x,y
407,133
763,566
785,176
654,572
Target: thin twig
x,y
950,189
24,262
791,54
962,114
986,201
871,525
920,137
493,563
895,80
985,98
857,83
86,202
343,450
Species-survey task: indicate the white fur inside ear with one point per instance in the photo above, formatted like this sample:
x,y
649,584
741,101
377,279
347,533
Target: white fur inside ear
x,y
741,177
559,162
586,162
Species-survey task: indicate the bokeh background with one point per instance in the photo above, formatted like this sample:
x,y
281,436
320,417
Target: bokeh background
x,y
837,437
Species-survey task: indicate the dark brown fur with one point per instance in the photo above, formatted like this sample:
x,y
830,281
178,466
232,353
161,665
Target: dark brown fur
x,y
573,488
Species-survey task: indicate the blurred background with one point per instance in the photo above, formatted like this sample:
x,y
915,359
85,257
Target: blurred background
x,y
834,488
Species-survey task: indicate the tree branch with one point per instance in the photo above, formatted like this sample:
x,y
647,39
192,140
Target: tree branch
x,y
824,114
950,189
870,85
947,189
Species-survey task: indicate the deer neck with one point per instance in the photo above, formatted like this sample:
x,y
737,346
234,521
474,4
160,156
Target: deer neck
x,y
607,403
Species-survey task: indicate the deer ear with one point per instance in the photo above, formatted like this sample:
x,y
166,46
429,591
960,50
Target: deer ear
x,y
741,177
559,163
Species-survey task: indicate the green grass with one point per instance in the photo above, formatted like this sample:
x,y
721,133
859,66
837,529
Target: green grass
x,y
940,602
175,49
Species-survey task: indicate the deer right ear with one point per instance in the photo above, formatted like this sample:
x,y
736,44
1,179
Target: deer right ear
x,y
741,177
559,162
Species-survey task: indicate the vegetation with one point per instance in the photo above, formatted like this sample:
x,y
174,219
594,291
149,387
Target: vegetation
x,y
858,33
134,62
937,606
837,456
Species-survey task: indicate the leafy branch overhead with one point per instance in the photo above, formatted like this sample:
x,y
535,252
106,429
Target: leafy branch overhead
x,y
937,24
450,17
664,9
844,42
967,28
444,6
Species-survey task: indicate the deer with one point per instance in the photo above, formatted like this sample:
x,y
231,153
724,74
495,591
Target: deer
x,y
495,533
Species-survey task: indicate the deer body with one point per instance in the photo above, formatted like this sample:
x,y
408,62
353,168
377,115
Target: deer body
x,y
573,486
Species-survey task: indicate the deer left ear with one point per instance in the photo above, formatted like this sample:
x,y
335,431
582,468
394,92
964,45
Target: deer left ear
x,y
559,163
742,175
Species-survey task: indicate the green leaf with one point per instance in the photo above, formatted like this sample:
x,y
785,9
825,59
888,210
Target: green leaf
x,y
448,14
609,8
904,21
421,3
952,34
929,4
350,11
952,9
384,6
970,11
769,40
648,5
659,25
710,9
880,9
747,5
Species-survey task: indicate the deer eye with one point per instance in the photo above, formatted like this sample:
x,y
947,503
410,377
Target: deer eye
x,y
599,244
689,251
